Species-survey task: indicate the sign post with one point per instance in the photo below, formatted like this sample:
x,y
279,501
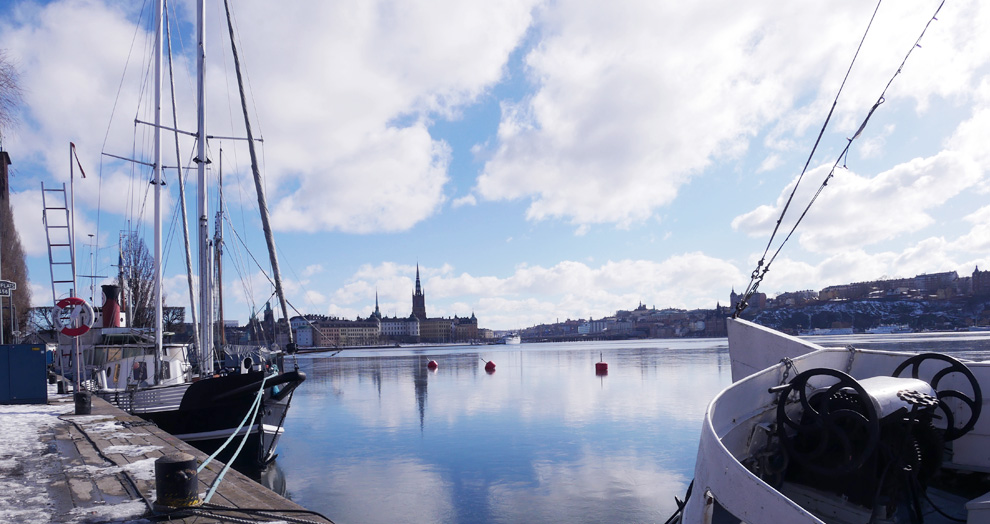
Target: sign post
x,y
6,286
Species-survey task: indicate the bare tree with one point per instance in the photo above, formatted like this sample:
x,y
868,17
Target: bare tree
x,y
139,280
40,320
173,318
14,267
10,93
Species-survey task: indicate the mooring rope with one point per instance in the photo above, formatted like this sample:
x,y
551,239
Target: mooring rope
x,y
247,433
251,411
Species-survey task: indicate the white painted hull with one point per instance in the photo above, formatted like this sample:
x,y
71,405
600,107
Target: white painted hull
x,y
736,427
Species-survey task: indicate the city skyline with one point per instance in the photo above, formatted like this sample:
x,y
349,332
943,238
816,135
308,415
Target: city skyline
x,y
535,160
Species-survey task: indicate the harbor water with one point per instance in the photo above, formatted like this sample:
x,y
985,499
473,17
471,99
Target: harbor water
x,y
375,436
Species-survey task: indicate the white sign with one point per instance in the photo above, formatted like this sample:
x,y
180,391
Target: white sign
x,y
6,286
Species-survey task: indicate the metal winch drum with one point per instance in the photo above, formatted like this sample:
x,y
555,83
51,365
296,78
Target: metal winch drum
x,y
867,439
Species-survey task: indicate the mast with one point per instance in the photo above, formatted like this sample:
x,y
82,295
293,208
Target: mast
x,y
218,247
182,193
262,202
205,267
160,6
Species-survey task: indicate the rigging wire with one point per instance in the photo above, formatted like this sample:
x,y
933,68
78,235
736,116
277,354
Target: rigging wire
x,y
113,111
763,266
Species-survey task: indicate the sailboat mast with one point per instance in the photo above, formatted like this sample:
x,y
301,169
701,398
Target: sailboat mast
x,y
218,247
159,33
205,267
259,188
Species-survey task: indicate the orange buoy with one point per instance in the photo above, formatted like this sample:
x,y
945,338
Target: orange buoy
x,y
432,365
490,367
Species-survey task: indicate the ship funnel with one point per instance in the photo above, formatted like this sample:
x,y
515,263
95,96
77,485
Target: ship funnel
x,y
111,308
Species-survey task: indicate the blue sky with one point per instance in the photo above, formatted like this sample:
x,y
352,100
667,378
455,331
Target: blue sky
x,y
538,160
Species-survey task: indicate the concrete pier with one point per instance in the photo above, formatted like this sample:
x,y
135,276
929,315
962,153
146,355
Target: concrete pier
x,y
56,466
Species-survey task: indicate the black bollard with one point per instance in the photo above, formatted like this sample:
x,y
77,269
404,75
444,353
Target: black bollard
x,y
84,402
176,481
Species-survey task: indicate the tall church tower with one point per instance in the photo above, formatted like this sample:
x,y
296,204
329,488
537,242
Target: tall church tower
x,y
419,299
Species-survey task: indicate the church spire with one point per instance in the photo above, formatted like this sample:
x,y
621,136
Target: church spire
x,y
377,312
419,299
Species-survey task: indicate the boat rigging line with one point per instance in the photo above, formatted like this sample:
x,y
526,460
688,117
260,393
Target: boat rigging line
x,y
763,266
262,201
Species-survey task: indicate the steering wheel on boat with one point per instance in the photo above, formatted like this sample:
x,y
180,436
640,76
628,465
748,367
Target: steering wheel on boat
x,y
975,403
837,429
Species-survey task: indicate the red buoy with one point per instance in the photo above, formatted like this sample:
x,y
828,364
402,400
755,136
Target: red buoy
x,y
432,365
490,367
601,368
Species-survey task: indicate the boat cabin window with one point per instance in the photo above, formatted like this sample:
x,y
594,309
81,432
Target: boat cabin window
x,y
100,357
116,373
166,370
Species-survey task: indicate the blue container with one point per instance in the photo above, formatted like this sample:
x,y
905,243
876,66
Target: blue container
x,y
23,374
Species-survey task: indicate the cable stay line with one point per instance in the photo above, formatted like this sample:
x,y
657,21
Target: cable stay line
x,y
763,265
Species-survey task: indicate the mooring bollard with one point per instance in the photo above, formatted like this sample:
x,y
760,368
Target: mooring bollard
x,y
176,481
84,402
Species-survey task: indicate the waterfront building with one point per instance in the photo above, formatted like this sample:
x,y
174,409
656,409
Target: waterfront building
x,y
400,329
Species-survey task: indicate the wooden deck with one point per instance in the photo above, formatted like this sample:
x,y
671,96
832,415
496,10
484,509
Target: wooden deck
x,y
105,473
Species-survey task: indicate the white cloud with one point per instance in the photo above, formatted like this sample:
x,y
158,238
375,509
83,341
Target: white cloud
x,y
856,211
354,90
770,163
345,94
634,99
466,200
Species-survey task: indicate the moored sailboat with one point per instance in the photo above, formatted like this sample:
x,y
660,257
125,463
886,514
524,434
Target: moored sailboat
x,y
199,392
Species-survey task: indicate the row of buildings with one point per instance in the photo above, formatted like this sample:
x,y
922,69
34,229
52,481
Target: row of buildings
x,y
927,286
642,322
324,331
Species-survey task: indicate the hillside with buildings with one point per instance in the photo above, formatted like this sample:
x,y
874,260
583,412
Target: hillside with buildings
x,y
927,302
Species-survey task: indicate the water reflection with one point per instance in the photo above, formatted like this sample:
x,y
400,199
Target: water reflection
x,y
377,437
272,477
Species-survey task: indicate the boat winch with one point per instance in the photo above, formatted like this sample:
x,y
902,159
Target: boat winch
x,y
875,440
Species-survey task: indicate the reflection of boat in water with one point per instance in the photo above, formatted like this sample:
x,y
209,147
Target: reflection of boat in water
x,y
204,392
841,435
510,339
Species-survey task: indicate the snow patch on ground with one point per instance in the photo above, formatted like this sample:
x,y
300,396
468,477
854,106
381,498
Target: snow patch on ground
x,y
131,450
24,450
123,512
140,470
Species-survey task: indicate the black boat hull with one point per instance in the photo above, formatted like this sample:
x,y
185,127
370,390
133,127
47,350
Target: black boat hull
x,y
211,410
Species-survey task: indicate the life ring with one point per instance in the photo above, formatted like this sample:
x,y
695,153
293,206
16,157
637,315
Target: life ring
x,y
79,310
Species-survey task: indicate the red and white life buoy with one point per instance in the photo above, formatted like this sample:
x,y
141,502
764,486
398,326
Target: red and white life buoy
x,y
80,316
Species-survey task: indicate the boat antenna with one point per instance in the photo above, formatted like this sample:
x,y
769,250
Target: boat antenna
x,y
259,188
763,266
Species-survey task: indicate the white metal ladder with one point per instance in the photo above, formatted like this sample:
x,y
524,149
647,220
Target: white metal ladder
x,y
58,232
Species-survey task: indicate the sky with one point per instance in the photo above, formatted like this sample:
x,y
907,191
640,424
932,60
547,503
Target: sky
x,y
538,160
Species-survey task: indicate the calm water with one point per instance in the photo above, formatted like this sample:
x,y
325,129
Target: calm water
x,y
373,436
